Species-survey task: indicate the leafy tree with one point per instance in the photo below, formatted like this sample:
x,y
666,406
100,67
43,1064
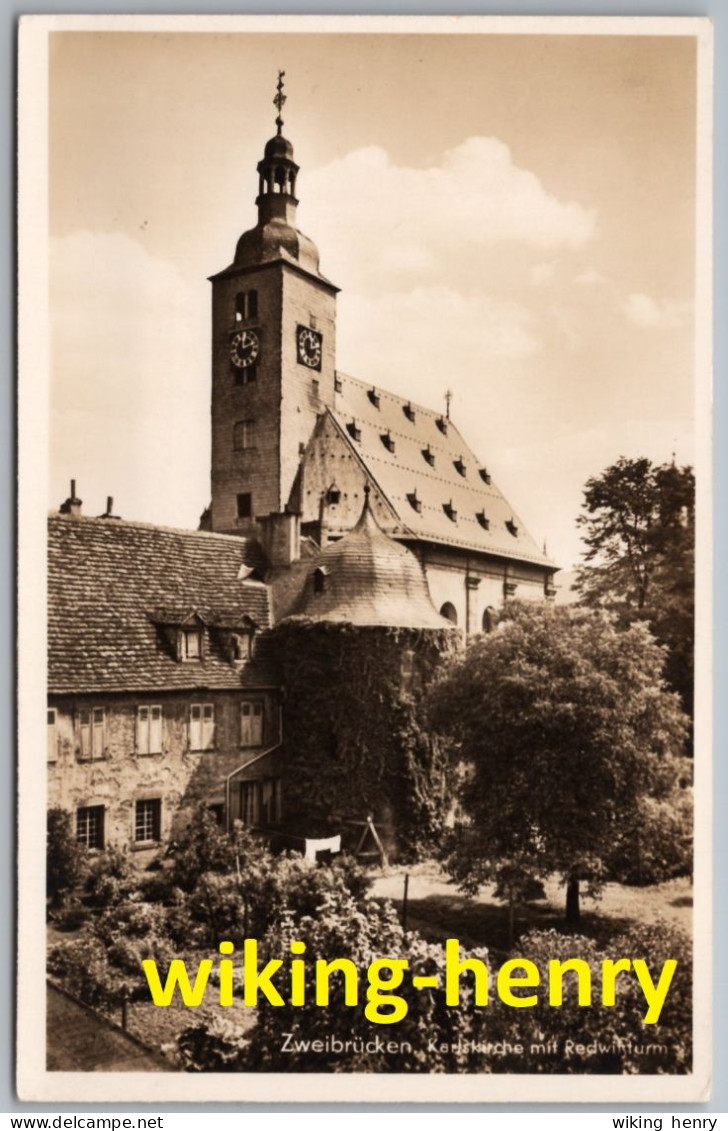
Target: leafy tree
x,y
639,532
66,859
562,726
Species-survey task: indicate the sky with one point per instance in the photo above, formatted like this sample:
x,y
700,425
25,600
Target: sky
x,y
509,217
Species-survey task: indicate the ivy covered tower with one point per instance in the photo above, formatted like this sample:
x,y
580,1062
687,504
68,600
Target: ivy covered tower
x,y
273,339
356,656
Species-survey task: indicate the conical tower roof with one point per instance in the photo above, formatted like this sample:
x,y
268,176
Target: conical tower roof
x,y
367,578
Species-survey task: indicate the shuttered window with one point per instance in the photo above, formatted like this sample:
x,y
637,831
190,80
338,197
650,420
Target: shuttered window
x,y
202,726
251,723
149,730
91,733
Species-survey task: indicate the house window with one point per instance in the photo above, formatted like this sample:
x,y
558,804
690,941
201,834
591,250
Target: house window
x,y
244,435
245,505
52,735
149,730
91,733
148,820
260,801
251,723
246,305
202,726
191,644
90,826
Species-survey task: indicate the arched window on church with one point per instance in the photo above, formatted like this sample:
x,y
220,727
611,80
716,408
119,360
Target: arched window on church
x,y
449,611
488,619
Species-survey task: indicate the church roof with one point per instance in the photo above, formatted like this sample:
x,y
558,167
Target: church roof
x,y
366,578
435,485
115,589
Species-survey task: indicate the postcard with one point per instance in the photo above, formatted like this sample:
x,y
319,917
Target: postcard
x,y
364,436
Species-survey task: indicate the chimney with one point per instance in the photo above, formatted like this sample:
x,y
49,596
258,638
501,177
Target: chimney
x,y
72,505
109,509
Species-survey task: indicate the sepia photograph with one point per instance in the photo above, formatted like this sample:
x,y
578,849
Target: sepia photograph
x,y
364,434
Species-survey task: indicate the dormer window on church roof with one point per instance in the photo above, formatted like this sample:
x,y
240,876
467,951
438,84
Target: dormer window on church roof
x,y
374,397
450,511
429,455
354,431
484,474
388,441
512,527
414,502
483,520
409,412
459,465
441,423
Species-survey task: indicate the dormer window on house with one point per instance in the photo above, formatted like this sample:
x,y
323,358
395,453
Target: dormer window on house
x,y
428,455
354,431
191,644
484,474
441,423
459,466
484,522
511,527
409,412
414,502
450,511
388,441
374,397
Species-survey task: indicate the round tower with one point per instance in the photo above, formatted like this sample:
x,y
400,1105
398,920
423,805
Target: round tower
x,y
357,655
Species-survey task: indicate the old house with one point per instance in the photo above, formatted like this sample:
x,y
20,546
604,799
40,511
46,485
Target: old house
x,y
159,691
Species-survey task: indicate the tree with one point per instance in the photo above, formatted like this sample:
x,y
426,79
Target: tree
x,y
66,859
562,725
639,532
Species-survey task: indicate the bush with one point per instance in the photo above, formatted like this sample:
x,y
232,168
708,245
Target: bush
x,y
84,970
111,877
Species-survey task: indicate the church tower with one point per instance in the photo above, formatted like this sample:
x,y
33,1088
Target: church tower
x,y
273,359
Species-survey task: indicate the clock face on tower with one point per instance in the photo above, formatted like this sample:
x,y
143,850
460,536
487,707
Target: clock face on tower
x,y
244,348
308,347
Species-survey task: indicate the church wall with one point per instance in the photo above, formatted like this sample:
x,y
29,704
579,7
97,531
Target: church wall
x,y
474,583
255,470
305,392
120,775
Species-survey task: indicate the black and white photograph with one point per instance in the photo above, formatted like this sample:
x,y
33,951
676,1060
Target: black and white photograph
x,y
364,435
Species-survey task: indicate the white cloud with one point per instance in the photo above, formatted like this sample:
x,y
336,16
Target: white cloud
x,y
646,311
540,273
425,334
370,215
130,379
589,278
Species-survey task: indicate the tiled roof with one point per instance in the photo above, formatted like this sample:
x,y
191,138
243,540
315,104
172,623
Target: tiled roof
x,y
366,578
113,587
432,480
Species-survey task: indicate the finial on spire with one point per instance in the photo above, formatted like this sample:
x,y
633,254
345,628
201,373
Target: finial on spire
x,y
448,398
279,100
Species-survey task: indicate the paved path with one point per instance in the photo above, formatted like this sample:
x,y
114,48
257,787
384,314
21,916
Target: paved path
x,y
80,1041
